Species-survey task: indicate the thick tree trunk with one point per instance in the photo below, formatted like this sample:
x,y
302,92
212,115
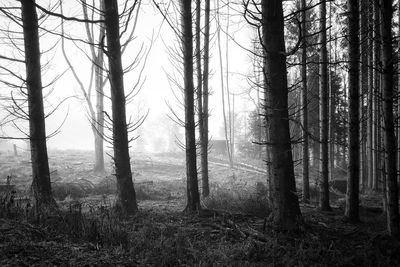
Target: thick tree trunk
x,y
393,217
352,197
286,211
324,121
204,136
193,197
41,184
126,199
304,98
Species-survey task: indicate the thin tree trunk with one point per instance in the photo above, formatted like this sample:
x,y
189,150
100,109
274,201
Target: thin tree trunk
x,y
199,91
99,83
363,87
286,211
126,199
324,121
393,217
228,92
304,97
204,137
352,197
226,130
193,197
370,131
331,104
41,184
377,99
398,99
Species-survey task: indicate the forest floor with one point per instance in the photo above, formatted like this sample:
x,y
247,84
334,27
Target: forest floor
x,y
232,230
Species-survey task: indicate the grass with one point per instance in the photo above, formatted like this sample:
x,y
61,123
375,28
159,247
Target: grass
x,y
91,233
237,199
87,232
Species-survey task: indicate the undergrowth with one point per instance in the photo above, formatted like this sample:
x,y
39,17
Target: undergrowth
x,y
175,239
238,199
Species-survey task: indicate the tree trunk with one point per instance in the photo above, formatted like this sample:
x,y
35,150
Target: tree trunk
x,y
363,7
352,197
393,218
193,197
304,97
199,90
226,122
324,121
99,84
398,100
370,121
126,199
286,211
204,136
377,98
41,184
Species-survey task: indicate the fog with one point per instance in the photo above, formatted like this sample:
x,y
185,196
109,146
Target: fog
x,y
155,36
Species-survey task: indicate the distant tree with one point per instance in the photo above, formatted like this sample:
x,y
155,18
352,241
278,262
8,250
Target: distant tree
x,y
286,211
225,94
193,197
393,217
352,195
41,185
126,198
96,111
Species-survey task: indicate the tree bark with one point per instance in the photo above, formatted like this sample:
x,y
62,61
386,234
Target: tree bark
x,y
126,199
352,197
324,120
286,211
393,218
41,184
304,97
193,197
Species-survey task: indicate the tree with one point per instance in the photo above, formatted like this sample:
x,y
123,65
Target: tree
x,y
304,98
126,198
98,118
225,86
193,197
324,120
352,197
204,110
393,217
202,92
286,211
41,185
96,115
